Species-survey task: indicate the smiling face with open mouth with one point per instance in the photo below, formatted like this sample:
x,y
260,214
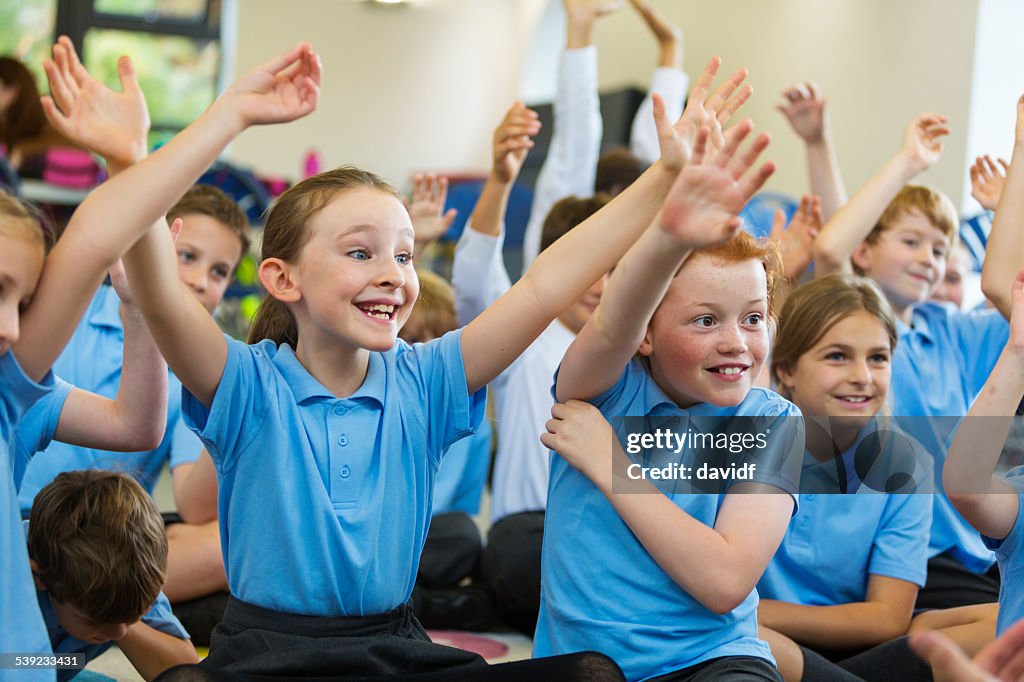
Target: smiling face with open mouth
x,y
708,340
356,271
846,374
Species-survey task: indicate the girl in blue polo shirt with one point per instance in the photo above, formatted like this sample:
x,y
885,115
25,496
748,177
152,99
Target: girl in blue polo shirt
x,y
326,432
664,583
993,504
832,357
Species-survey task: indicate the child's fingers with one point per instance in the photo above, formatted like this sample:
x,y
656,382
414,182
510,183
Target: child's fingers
x,y
778,224
733,137
700,145
813,90
442,189
58,86
449,217
724,91
284,60
734,103
126,74
707,76
741,164
753,183
1005,656
58,120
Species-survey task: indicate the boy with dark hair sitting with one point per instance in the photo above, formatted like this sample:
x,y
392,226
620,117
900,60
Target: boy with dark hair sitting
x,y
98,553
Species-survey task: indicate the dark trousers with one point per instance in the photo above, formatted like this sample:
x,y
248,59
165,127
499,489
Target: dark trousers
x,y
451,551
511,568
951,584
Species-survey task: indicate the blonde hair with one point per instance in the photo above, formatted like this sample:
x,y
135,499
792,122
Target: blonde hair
x,y
20,220
287,231
931,203
434,312
814,308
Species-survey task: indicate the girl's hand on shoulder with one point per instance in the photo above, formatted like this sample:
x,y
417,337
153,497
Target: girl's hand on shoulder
x,y
702,206
284,89
581,435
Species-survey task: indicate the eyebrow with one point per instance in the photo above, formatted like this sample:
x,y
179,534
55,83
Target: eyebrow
x,y
358,229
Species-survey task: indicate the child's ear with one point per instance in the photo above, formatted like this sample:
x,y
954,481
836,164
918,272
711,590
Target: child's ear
x,y
784,374
35,575
277,277
646,346
861,257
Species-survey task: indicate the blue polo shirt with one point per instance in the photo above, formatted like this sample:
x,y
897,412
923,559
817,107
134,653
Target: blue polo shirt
x,y
600,589
1010,555
869,533
939,367
21,627
460,480
37,428
325,502
92,361
159,617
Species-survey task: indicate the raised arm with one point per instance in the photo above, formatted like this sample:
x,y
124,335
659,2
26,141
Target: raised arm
x,y
570,165
426,209
1004,255
569,267
807,113
136,418
700,212
478,271
843,233
987,181
283,89
988,502
669,81
718,566
113,125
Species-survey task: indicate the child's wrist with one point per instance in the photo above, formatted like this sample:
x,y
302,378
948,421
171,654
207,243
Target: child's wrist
x,y
909,165
227,116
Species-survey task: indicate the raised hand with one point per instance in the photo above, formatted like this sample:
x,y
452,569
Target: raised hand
x,y
111,124
797,242
283,89
987,181
668,35
429,219
702,206
581,435
1000,660
512,141
677,141
590,9
804,108
922,143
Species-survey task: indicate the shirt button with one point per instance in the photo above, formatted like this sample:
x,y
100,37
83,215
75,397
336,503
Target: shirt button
x,y
340,410
343,440
345,471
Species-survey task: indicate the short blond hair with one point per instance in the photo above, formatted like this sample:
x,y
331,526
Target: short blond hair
x,y
931,203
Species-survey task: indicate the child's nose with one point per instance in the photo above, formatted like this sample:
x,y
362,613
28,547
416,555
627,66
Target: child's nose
x,y
9,327
860,374
197,280
391,275
732,340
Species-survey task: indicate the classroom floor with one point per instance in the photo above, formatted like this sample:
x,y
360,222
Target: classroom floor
x,y
496,647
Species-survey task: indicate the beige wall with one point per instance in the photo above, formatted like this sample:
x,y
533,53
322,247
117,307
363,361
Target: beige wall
x,y
405,88
422,87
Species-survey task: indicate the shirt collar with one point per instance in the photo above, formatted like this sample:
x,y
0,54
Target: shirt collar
x,y
305,386
921,325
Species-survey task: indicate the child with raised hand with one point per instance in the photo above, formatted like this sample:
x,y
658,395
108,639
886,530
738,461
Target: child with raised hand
x,y
987,181
674,591
806,110
572,166
832,357
511,561
900,236
325,406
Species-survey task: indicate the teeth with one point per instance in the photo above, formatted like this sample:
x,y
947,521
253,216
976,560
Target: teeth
x,y
860,399
380,307
729,370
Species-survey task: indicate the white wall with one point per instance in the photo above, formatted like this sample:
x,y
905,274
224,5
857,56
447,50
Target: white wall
x,y
421,87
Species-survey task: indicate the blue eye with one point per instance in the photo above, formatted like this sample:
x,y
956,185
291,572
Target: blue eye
x,y
404,258
359,254
880,359
835,356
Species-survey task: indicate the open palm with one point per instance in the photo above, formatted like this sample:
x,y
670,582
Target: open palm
x,y
282,90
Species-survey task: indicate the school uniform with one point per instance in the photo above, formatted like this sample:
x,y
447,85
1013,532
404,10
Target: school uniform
x,y
1010,555
324,502
620,601
21,628
159,617
92,361
870,532
940,365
